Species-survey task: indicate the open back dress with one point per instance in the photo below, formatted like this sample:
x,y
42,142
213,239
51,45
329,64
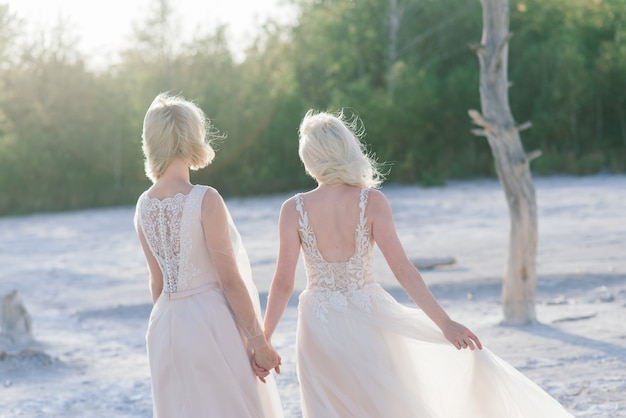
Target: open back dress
x,y
362,354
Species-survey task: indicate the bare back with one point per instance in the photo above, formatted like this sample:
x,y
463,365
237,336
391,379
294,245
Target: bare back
x,y
334,214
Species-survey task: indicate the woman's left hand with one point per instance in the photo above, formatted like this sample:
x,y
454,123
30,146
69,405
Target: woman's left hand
x,y
259,371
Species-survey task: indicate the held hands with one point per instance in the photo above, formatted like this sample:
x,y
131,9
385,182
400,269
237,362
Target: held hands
x,y
264,359
262,373
460,336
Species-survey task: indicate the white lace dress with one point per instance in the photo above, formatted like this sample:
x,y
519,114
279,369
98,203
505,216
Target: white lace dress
x,y
198,360
361,354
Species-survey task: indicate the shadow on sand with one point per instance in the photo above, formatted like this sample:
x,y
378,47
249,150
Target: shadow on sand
x,y
549,332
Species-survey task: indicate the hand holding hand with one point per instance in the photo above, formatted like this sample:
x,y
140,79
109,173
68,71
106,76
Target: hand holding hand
x,y
460,336
259,371
267,358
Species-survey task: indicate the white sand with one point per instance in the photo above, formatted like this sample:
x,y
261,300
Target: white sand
x,y
83,278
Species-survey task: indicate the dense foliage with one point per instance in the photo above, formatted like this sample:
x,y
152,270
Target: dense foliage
x,y
70,135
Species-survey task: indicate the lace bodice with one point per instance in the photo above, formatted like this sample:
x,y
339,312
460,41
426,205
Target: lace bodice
x,y
166,225
343,276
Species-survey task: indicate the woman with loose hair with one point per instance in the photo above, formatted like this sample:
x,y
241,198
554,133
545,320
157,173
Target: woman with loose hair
x,y
205,331
360,353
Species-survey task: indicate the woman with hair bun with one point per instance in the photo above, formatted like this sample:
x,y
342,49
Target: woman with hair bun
x,y
205,331
359,352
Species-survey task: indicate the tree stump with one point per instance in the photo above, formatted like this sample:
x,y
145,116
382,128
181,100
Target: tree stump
x,y
15,321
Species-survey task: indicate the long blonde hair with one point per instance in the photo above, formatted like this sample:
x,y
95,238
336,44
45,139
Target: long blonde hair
x,y
175,128
332,152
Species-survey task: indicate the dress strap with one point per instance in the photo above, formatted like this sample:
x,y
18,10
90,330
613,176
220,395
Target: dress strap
x,y
364,193
362,233
303,219
299,206
307,237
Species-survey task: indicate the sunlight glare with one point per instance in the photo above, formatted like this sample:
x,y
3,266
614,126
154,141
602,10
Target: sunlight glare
x,y
104,28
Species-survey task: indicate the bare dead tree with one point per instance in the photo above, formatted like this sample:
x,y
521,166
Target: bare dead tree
x,y
512,163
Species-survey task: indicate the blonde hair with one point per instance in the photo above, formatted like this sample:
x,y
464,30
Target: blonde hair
x,y
332,152
175,128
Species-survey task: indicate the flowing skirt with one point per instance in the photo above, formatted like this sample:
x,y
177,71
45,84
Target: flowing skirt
x,y
365,355
199,364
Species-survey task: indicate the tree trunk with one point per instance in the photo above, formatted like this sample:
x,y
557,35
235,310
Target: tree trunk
x,y
395,14
511,162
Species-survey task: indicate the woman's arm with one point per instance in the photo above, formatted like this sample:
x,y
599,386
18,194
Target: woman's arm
x,y
284,275
384,234
217,237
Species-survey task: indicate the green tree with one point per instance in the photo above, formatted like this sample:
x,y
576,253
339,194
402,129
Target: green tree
x,y
575,112
259,154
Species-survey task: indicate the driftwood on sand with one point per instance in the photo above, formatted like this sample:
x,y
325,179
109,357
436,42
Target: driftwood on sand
x,y
433,262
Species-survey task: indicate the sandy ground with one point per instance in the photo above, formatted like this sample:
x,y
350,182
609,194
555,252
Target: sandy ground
x,y
83,279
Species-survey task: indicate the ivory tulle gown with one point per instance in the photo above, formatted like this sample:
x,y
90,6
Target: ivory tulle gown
x,y
362,354
199,362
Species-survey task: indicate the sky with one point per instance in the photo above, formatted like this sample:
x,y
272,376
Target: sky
x,y
105,26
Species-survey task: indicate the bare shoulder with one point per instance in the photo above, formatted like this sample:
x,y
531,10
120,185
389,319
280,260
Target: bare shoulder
x,y
377,201
375,194
211,192
288,209
289,203
211,195
211,200
289,221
